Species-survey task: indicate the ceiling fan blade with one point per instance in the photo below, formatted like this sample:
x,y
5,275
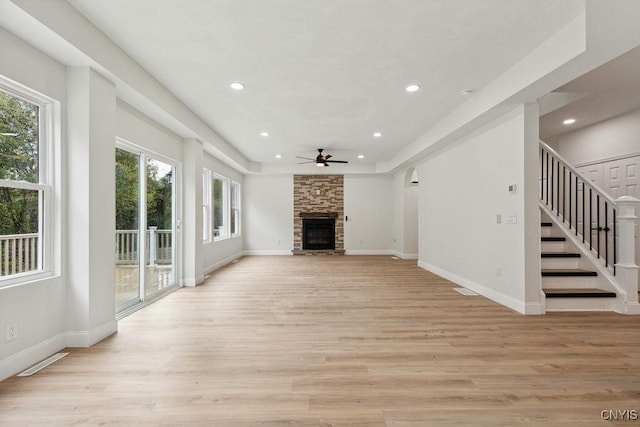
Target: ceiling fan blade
x,y
337,161
304,163
306,158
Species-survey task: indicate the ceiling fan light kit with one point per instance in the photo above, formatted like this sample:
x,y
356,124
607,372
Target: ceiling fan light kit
x,y
321,160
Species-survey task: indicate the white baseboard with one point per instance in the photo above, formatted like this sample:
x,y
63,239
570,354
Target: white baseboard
x,y
89,338
404,256
193,281
267,253
213,267
18,362
369,252
492,294
628,308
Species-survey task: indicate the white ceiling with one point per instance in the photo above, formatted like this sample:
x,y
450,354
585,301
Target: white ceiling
x,y
325,73
608,91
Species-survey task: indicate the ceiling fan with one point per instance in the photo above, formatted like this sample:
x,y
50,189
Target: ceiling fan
x,y
321,160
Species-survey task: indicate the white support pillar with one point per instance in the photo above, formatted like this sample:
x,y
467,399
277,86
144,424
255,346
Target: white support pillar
x,y
193,154
90,160
626,268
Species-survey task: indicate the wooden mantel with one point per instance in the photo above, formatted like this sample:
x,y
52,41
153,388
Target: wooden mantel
x,y
318,215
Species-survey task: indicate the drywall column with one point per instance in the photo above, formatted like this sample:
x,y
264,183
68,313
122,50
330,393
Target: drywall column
x,y
91,207
626,268
410,222
192,212
534,298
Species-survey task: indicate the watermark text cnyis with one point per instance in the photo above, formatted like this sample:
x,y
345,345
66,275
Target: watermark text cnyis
x,y
619,414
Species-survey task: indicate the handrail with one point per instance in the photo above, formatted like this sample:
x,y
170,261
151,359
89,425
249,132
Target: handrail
x,y
566,164
159,247
564,190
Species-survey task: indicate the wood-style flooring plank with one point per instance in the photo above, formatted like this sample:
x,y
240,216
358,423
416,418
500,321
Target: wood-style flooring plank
x,y
337,340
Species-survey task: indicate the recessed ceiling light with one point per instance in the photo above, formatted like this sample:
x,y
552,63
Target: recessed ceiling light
x,y
377,134
361,156
264,133
412,88
236,86
569,122
278,156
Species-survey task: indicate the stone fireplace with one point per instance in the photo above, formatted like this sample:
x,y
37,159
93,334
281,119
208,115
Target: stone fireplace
x,y
318,213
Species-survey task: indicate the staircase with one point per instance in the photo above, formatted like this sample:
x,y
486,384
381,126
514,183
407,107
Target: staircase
x,y
569,281
588,244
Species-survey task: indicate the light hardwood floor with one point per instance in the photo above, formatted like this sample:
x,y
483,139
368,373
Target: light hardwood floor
x,y
337,340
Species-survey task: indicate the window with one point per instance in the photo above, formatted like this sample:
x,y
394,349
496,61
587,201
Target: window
x,y
220,207
206,205
235,209
25,191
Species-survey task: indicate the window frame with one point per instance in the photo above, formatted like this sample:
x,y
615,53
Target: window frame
x,y
207,199
225,233
48,126
235,211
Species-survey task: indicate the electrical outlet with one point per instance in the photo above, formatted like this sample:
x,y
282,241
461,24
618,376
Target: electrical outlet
x,y
12,332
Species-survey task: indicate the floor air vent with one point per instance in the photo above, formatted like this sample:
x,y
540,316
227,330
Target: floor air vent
x,y
465,291
35,368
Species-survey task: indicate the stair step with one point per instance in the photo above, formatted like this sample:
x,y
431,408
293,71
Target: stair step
x,y
578,293
546,224
567,273
553,239
560,255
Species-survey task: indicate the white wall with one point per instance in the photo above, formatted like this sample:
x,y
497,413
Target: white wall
x,y
268,214
405,215
134,127
368,204
411,208
221,252
38,308
611,138
461,191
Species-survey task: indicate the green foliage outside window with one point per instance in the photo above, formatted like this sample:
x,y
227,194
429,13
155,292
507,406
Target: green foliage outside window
x,y
19,143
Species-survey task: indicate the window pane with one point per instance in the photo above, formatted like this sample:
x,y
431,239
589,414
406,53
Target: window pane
x,y
18,139
19,230
206,205
159,271
235,208
219,207
127,234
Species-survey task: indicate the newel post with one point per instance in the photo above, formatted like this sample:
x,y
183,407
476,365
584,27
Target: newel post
x,y
153,245
626,268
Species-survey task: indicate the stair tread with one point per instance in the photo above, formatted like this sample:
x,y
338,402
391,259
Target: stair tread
x,y
570,272
553,239
578,293
560,255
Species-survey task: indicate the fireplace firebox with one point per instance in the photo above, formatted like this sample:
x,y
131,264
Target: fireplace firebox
x,y
318,233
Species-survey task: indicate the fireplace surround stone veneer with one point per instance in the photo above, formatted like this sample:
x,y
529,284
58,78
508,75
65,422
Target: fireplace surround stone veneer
x,y
318,196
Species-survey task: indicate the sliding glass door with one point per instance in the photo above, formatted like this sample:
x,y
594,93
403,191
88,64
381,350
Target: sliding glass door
x,y
159,260
145,227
